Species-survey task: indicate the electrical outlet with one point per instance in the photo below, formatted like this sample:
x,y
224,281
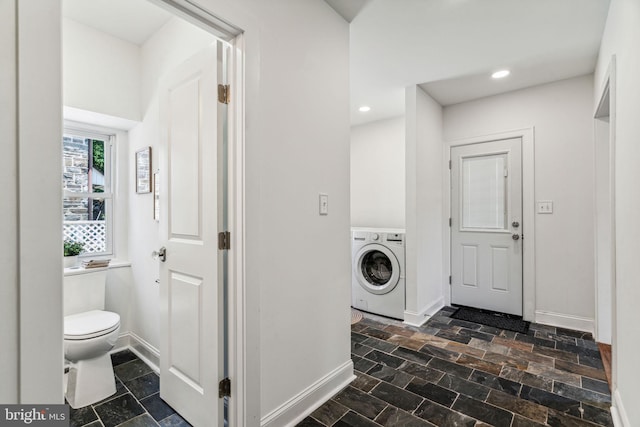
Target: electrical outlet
x,y
545,207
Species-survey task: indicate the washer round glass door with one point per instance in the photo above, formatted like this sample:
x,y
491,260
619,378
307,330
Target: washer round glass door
x,y
377,269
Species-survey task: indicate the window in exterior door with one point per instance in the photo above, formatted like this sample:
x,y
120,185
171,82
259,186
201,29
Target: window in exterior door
x,y
484,192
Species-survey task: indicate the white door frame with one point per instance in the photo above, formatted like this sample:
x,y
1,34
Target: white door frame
x,y
528,212
606,107
236,321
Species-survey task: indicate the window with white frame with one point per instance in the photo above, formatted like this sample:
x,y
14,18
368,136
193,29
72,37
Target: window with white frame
x,y
87,190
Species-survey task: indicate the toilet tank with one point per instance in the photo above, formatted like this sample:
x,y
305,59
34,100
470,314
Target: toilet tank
x,y
84,290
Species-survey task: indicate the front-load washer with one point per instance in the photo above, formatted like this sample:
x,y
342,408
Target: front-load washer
x,y
378,281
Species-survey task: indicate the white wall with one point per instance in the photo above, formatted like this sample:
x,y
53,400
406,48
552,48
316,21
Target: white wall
x,y
425,220
9,326
621,38
378,174
101,72
39,127
562,115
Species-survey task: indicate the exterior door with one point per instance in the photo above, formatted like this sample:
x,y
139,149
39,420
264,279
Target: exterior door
x,y
191,200
486,225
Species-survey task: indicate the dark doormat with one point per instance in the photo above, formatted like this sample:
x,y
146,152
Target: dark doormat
x,y
491,318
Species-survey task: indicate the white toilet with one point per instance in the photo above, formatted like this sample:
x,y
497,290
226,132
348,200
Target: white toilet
x,y
90,333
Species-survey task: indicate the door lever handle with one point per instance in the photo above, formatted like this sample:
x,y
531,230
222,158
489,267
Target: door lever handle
x,y
160,254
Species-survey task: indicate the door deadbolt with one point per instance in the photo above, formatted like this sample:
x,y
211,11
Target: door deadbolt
x,y
515,224
515,236
160,254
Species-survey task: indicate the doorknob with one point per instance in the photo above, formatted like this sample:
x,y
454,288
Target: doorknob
x,y
160,254
515,236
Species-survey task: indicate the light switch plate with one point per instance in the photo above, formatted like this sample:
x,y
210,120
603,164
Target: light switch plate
x,y
545,206
324,204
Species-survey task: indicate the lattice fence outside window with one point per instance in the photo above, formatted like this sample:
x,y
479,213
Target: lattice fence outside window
x,y
91,233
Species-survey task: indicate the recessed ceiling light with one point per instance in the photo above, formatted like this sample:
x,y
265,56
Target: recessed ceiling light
x,y
364,109
500,74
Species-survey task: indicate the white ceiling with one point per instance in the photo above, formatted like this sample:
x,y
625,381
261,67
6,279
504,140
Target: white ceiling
x,y
131,20
450,48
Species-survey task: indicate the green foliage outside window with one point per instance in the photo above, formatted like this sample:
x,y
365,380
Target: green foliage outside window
x,y
98,155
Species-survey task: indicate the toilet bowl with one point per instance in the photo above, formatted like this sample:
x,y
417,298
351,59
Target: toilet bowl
x,y
88,338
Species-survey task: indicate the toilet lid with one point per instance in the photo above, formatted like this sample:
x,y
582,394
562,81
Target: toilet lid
x,y
90,324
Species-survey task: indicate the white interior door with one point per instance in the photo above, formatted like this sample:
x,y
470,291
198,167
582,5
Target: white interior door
x,y
486,225
191,285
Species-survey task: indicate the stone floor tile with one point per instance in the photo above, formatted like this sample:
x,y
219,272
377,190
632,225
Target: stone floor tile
x,y
587,396
440,353
481,411
531,357
489,347
596,385
479,364
465,349
551,400
497,383
527,378
443,417
385,359
519,345
330,412
450,367
394,417
422,372
412,356
585,371
556,354
360,402
364,382
119,410
468,388
554,374
519,406
505,361
406,342
352,419
597,415
390,375
396,396
433,392
385,346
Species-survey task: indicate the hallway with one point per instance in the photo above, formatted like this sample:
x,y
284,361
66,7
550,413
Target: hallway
x,y
455,373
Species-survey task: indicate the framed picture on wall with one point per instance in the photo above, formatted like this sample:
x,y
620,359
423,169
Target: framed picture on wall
x,y
143,170
156,196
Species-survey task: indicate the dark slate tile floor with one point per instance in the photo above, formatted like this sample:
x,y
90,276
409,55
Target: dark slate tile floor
x,y
455,373
136,402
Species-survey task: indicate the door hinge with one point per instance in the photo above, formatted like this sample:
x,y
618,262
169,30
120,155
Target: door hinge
x,y
449,222
224,95
224,240
449,164
224,388
449,279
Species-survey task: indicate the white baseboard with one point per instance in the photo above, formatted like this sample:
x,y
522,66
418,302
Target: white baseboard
x,y
418,319
145,351
565,321
304,403
122,343
618,413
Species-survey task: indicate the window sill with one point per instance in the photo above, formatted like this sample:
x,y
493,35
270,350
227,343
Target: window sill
x,y
80,270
